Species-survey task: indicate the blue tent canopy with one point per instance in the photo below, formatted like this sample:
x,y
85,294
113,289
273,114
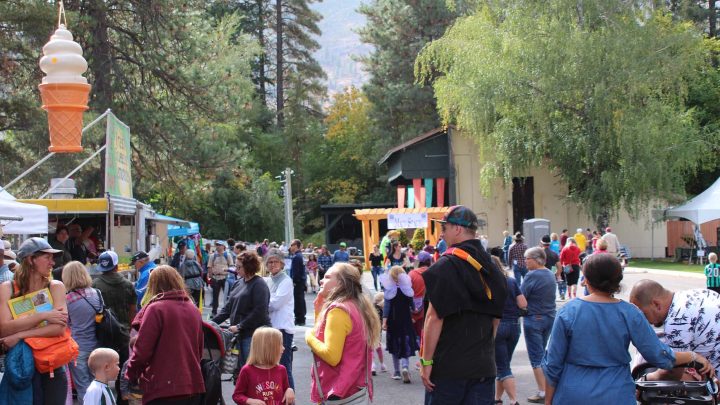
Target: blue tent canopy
x,y
179,227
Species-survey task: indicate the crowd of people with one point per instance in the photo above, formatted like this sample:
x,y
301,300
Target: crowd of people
x,y
454,305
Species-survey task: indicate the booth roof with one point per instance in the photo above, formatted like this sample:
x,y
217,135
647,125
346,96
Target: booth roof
x,y
703,208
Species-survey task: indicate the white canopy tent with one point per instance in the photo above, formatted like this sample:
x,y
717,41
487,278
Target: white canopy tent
x,y
705,207
34,217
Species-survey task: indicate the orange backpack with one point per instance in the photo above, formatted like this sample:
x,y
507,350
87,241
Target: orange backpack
x,y
52,352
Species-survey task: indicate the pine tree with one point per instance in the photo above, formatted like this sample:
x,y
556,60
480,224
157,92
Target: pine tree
x,y
398,30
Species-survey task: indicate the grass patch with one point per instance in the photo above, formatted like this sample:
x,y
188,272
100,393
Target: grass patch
x,y
665,264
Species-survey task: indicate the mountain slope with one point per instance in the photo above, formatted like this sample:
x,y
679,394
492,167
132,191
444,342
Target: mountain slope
x,y
339,44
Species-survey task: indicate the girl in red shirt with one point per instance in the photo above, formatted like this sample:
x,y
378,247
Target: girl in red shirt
x,y
263,381
570,260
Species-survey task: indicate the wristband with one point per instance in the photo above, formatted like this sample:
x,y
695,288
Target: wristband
x,y
426,362
692,357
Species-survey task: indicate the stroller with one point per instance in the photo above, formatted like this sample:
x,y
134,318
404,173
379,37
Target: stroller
x,y
216,340
702,392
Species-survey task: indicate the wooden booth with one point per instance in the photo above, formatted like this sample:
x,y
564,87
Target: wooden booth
x,y
371,224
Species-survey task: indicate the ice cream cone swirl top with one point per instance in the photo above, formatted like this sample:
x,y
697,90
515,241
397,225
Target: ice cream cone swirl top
x,y
63,61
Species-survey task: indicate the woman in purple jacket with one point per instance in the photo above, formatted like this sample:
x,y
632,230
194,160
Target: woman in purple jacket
x,y
166,356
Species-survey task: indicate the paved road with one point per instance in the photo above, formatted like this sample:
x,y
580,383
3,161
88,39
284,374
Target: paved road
x,y
388,391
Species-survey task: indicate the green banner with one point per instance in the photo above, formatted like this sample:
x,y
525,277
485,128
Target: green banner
x,y
118,155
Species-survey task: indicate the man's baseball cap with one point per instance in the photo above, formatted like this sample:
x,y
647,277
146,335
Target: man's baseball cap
x,y
461,216
545,240
343,244
424,257
32,246
138,256
107,261
5,245
9,254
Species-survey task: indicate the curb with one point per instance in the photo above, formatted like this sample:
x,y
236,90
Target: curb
x,y
686,274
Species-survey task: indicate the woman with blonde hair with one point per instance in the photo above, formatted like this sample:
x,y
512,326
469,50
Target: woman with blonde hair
x,y
83,302
346,331
33,274
166,357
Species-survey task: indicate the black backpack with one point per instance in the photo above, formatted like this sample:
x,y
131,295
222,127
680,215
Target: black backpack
x,y
108,330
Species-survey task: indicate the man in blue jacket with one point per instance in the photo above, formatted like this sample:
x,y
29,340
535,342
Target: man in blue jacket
x,y
143,266
297,273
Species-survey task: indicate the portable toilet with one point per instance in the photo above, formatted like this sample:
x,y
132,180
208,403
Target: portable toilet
x,y
534,229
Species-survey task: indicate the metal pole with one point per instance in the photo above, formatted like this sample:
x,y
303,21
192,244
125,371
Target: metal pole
x,y
51,154
75,170
288,204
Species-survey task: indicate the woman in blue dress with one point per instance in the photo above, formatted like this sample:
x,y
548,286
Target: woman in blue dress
x,y
587,360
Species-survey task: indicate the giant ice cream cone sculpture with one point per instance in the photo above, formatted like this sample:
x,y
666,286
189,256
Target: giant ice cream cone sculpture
x,y
64,91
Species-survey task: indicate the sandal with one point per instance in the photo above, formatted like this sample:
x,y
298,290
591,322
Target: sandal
x,y
498,401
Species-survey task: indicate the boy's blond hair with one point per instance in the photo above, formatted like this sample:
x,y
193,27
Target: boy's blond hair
x,y
395,272
712,258
379,299
100,357
266,347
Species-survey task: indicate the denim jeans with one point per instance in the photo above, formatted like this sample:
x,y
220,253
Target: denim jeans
x,y
537,331
519,273
81,375
243,344
376,272
477,391
287,356
507,337
562,287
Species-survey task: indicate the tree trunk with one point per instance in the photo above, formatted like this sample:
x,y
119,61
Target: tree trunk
x,y
280,102
711,19
602,221
100,59
261,40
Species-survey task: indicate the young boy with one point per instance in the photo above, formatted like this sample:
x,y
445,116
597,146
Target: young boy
x,y
105,365
712,273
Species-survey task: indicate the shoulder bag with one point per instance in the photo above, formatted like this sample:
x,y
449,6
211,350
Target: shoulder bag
x,y
361,397
108,330
51,352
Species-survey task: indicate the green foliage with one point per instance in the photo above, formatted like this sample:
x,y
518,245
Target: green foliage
x,y
398,30
402,237
341,168
596,93
418,239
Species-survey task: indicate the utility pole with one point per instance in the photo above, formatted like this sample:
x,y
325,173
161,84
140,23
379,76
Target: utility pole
x,y
286,179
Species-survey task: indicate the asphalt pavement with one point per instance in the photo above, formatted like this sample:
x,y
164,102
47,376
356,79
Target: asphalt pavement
x,y
389,391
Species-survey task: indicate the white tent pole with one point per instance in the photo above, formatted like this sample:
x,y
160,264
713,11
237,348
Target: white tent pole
x,y
51,154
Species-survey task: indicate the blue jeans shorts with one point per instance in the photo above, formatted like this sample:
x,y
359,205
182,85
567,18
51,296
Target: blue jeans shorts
x,y
537,332
506,339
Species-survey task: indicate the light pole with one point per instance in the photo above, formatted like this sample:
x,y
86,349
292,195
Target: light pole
x,y
286,178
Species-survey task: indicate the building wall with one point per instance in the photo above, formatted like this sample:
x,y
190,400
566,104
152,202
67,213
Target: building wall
x,y
549,192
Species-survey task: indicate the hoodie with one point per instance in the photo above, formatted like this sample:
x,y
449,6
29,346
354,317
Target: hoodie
x,y
460,285
166,357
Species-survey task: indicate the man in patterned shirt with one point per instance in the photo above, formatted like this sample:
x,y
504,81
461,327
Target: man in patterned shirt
x,y
516,258
690,319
